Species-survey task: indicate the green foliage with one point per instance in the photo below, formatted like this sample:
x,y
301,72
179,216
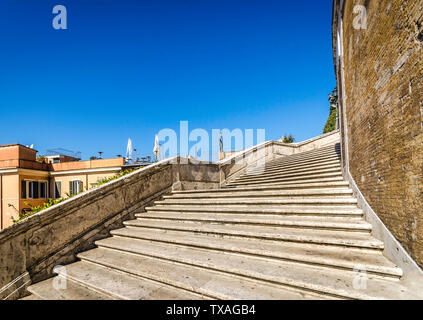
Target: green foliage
x,y
288,139
331,122
51,202
119,175
93,158
41,159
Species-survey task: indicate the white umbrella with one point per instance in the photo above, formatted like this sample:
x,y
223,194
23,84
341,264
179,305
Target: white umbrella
x,y
156,149
129,150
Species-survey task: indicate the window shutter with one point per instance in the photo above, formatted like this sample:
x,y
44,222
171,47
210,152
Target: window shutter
x,y
23,189
36,188
71,188
43,190
81,184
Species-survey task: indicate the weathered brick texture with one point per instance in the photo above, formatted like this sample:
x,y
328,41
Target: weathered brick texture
x,y
383,68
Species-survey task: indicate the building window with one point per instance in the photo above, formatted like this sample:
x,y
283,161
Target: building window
x,y
58,189
33,190
43,190
75,187
23,189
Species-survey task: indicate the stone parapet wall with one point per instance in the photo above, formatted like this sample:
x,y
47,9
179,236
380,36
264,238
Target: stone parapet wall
x,y
29,250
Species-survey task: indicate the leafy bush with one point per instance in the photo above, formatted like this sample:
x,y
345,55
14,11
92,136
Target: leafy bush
x,y
331,122
119,175
288,139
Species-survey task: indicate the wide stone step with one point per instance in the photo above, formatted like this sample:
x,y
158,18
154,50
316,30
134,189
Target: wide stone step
x,y
348,202
341,258
327,177
121,285
274,187
323,237
313,153
289,160
290,169
235,193
332,147
311,278
272,177
47,290
202,281
309,211
286,164
322,223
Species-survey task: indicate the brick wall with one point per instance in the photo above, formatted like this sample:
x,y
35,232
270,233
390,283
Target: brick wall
x,y
383,86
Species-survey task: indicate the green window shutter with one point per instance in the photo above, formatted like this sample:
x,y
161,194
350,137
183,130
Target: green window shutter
x,y
23,189
36,190
81,184
71,188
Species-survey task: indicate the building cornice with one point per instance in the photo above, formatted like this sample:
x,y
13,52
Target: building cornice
x,y
11,170
84,171
32,172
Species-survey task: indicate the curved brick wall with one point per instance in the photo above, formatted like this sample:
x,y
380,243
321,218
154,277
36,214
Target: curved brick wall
x,y
382,109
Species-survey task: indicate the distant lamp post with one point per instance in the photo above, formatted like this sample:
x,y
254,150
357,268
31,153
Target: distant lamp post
x,y
99,154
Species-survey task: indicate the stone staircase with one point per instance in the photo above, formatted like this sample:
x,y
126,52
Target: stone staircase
x,y
289,230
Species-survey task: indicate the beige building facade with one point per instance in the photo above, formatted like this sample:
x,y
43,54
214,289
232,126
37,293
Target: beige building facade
x,y
24,180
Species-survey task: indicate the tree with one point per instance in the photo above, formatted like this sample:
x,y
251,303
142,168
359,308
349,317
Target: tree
x,y
93,158
288,139
331,122
41,159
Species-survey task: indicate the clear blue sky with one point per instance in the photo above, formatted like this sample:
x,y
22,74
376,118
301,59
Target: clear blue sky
x,y
129,68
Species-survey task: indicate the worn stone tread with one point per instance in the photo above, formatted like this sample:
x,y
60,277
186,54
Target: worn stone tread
x,y
263,169
282,210
45,290
305,179
313,278
123,286
275,187
302,174
235,193
333,223
338,238
345,258
198,280
247,201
